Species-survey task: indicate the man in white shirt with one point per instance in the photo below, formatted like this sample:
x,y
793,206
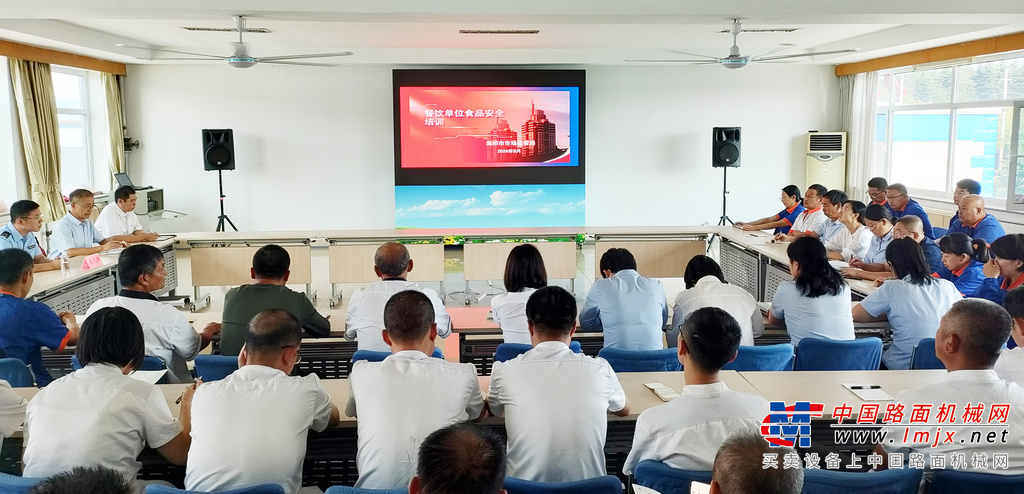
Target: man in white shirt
x,y
75,235
365,319
686,432
443,392
250,427
1010,366
460,458
813,216
119,219
706,287
12,410
169,336
629,308
968,342
555,401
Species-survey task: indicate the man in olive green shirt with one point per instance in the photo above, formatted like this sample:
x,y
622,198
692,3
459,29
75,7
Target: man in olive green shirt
x,y
270,271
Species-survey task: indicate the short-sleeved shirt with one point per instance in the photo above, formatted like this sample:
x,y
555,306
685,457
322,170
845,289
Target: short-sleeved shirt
x,y
995,289
12,410
243,302
876,249
365,318
913,208
250,428
113,222
913,312
1010,366
556,406
390,433
967,279
709,291
26,325
69,233
809,220
988,228
509,310
789,216
828,228
631,309
850,244
11,238
826,316
95,416
932,254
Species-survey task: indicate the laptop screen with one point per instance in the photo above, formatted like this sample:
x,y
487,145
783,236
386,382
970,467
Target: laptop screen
x,y
122,179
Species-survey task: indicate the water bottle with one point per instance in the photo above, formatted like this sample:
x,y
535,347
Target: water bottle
x,y
65,264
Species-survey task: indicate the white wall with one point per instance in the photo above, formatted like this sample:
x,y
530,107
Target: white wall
x,y
314,146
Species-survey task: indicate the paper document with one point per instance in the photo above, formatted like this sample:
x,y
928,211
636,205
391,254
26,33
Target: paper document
x,y
868,391
150,377
837,264
699,488
639,489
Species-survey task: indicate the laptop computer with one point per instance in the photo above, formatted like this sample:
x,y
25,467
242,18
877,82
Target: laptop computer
x,y
123,179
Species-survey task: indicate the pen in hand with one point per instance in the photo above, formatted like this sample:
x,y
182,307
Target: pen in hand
x,y
198,381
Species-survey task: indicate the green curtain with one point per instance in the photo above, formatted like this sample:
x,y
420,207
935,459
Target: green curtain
x,y
37,114
115,121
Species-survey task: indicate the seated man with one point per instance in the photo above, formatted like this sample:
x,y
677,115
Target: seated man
x,y
975,222
169,336
365,319
912,226
270,271
739,467
812,218
250,427
119,219
963,188
444,393
631,309
900,205
26,325
876,190
463,458
968,342
555,401
75,234
686,432
26,220
831,205
86,479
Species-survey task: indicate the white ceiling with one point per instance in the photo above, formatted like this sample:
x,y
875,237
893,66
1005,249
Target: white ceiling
x,y
602,32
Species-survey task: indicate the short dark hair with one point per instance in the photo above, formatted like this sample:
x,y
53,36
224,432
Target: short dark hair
x,y
123,193
524,269
907,259
86,479
79,194
792,191
391,259
462,458
408,315
817,277
136,261
877,212
271,331
111,335
13,265
902,189
552,311
970,185
959,243
21,209
821,190
878,183
699,267
738,467
858,209
836,197
1014,302
712,337
983,327
616,259
271,261
1009,247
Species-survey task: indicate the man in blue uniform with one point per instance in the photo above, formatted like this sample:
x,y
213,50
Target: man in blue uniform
x,y
26,220
975,222
900,205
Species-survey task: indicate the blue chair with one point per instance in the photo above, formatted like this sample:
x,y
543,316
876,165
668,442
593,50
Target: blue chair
x,y
641,361
763,358
948,481
16,373
509,351
924,356
893,481
215,367
148,364
609,484
12,484
822,354
939,232
256,489
665,479
342,489
373,356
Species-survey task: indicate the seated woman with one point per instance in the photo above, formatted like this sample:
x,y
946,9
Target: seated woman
x,y
913,303
784,219
706,287
97,415
872,266
963,262
817,302
1005,271
854,239
524,274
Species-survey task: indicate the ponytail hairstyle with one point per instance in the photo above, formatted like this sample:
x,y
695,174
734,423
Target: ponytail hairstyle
x,y
817,277
907,259
793,191
960,244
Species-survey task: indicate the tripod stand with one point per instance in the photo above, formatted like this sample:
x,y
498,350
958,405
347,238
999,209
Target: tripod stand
x,y
722,220
223,217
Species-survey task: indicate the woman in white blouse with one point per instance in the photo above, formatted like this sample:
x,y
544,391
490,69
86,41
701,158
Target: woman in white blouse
x,y
524,274
854,240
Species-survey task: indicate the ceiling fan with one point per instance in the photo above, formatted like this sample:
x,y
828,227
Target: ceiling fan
x,y
735,60
241,58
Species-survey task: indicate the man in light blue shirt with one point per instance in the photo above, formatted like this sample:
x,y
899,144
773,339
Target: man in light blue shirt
x,y
631,309
26,219
75,233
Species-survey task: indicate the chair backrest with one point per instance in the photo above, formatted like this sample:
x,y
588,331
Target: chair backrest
x,y
892,481
372,356
256,489
509,351
822,354
763,358
215,367
924,356
16,373
641,361
12,484
343,489
949,481
665,479
609,484
939,232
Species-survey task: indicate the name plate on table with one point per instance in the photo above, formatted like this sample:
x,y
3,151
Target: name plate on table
x,y
92,261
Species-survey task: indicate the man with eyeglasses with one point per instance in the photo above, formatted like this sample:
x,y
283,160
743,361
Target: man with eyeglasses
x,y
76,235
900,205
876,190
20,233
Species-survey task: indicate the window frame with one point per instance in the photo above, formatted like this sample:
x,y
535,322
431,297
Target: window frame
x,y
85,113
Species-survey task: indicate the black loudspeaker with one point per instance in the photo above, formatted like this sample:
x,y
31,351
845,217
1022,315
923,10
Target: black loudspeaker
x,y
218,149
725,147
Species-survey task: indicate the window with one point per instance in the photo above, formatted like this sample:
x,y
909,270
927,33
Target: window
x,y
10,181
82,165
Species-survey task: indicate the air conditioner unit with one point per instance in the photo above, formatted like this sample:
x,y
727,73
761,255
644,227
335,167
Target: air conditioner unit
x,y
826,159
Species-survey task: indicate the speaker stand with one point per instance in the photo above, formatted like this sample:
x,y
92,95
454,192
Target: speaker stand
x,y
722,220
223,217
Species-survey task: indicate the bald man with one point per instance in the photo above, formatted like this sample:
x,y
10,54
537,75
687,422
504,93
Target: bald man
x,y
365,319
975,222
